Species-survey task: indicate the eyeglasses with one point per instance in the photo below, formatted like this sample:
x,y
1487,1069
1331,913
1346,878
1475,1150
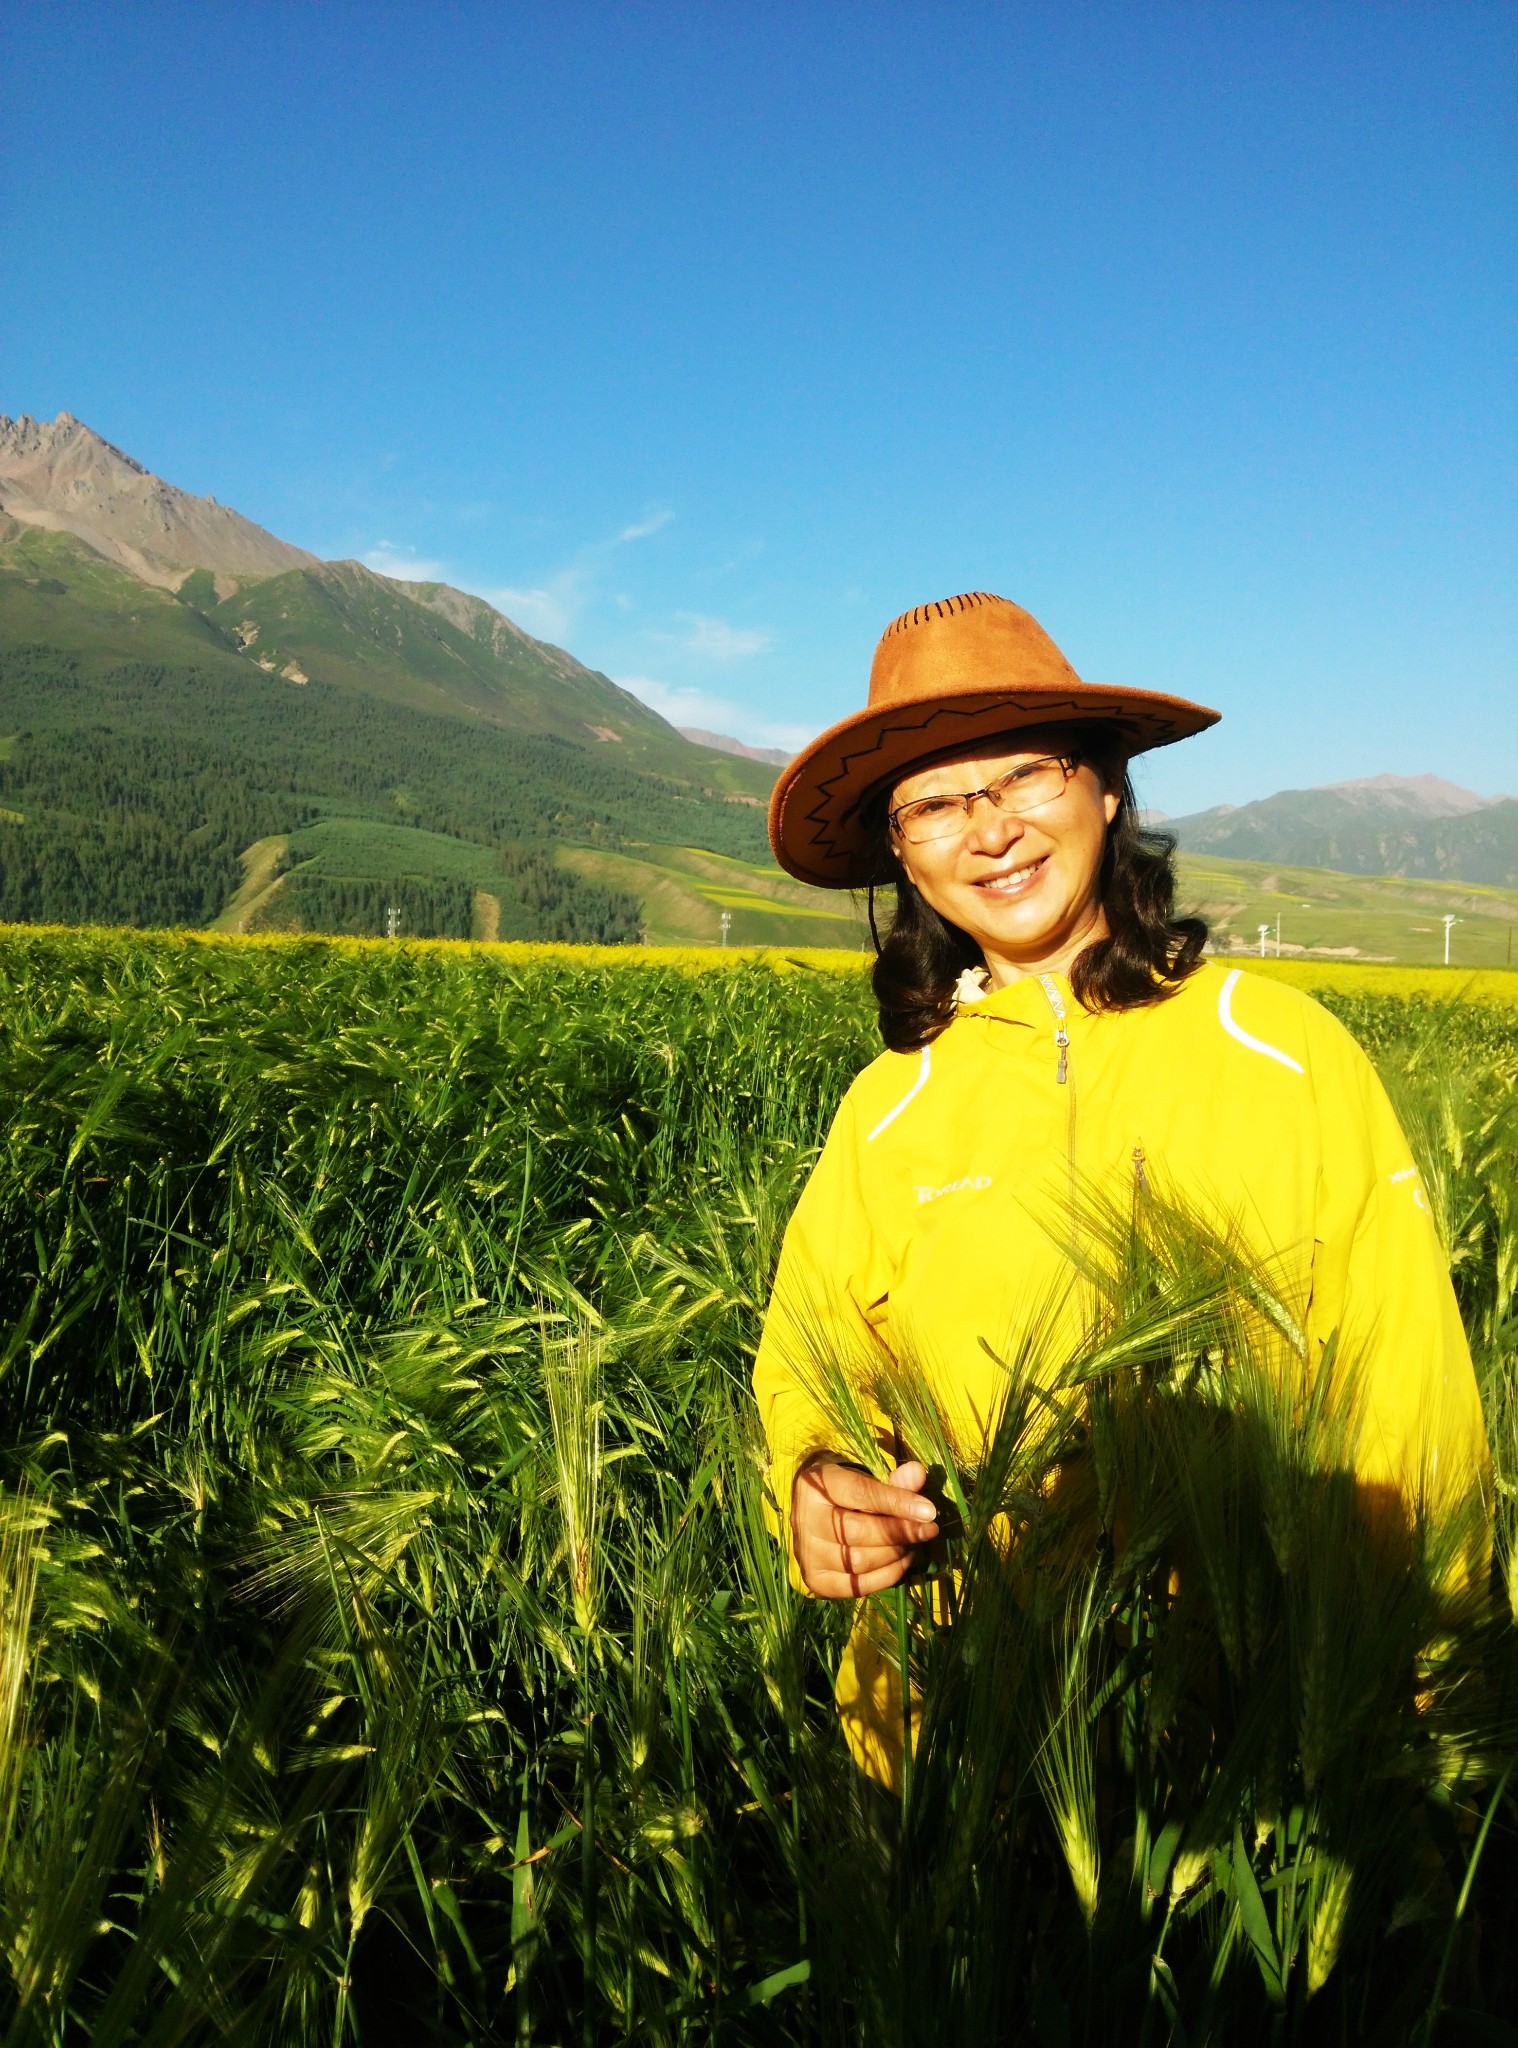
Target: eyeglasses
x,y
1020,789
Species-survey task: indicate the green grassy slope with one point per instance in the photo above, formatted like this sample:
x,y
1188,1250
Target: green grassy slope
x,y
1371,917
343,624
360,847
57,593
684,890
347,874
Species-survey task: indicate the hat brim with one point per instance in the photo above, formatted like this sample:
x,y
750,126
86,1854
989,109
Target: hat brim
x,y
816,830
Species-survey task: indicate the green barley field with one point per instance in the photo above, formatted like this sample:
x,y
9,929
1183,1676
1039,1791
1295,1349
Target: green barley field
x,y
392,1648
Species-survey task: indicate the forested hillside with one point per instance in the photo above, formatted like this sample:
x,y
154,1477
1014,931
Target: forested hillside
x,y
422,646
201,723
129,792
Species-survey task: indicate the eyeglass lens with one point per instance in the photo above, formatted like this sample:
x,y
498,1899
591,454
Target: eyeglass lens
x,y
1019,790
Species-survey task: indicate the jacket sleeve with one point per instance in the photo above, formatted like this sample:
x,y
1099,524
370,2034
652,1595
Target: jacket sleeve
x,y
1381,1279
830,1275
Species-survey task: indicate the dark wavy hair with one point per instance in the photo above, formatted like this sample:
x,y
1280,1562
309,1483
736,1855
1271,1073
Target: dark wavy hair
x,y
1148,952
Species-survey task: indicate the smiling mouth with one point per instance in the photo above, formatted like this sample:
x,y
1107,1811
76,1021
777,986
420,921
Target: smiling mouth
x,y
1014,881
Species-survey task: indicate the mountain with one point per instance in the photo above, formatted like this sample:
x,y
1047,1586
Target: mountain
x,y
724,743
190,705
1412,825
62,477
87,533
1420,796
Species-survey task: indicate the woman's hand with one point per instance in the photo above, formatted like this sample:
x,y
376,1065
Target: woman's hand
x,y
853,1534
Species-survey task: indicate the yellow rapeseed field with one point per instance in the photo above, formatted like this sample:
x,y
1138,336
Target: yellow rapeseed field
x,y
1348,977
1439,984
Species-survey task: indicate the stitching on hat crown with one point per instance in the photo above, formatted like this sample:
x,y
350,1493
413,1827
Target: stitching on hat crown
x,y
919,615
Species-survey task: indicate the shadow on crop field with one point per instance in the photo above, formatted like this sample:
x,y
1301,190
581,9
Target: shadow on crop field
x,y
394,1646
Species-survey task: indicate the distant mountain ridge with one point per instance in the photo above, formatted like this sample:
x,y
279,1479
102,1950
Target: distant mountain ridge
x,y
255,597
1410,825
1427,796
724,743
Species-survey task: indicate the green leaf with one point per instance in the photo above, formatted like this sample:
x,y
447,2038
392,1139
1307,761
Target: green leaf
x,y
1256,1920
771,1987
1163,1855
523,1915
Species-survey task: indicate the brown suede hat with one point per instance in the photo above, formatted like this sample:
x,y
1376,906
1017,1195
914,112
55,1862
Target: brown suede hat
x,y
945,675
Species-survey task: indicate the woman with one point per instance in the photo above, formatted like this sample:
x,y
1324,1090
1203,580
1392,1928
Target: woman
x,y
1054,1032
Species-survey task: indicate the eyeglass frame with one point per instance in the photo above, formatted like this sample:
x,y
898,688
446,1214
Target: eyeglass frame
x,y
967,797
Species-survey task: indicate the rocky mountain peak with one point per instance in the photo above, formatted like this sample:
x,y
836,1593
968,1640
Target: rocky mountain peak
x,y
62,475
1426,796
26,443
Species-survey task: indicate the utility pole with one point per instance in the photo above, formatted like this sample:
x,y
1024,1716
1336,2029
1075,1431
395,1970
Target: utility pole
x,y
1449,921
392,922
1264,935
1278,934
727,925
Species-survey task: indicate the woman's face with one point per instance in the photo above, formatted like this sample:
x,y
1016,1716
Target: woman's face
x,y
1022,885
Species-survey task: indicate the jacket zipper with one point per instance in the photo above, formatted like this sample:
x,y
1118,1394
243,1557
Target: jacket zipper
x,y
1062,1077
1061,1035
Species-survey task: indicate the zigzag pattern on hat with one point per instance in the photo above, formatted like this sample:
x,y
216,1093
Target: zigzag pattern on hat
x,y
830,825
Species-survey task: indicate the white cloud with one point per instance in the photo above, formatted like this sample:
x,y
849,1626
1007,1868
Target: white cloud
x,y
551,608
548,609
404,564
682,705
714,639
540,611
554,607
654,523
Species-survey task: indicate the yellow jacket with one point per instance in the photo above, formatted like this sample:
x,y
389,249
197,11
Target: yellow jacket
x,y
935,1214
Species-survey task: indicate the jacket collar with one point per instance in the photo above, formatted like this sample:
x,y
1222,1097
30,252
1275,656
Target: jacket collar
x,y
1024,1001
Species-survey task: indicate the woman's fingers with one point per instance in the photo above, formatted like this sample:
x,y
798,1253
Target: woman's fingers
x,y
909,1477
871,1557
844,1486
847,1529
843,1585
822,1559
855,1535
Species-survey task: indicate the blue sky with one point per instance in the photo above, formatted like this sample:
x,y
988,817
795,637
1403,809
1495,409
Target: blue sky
x,y
705,339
